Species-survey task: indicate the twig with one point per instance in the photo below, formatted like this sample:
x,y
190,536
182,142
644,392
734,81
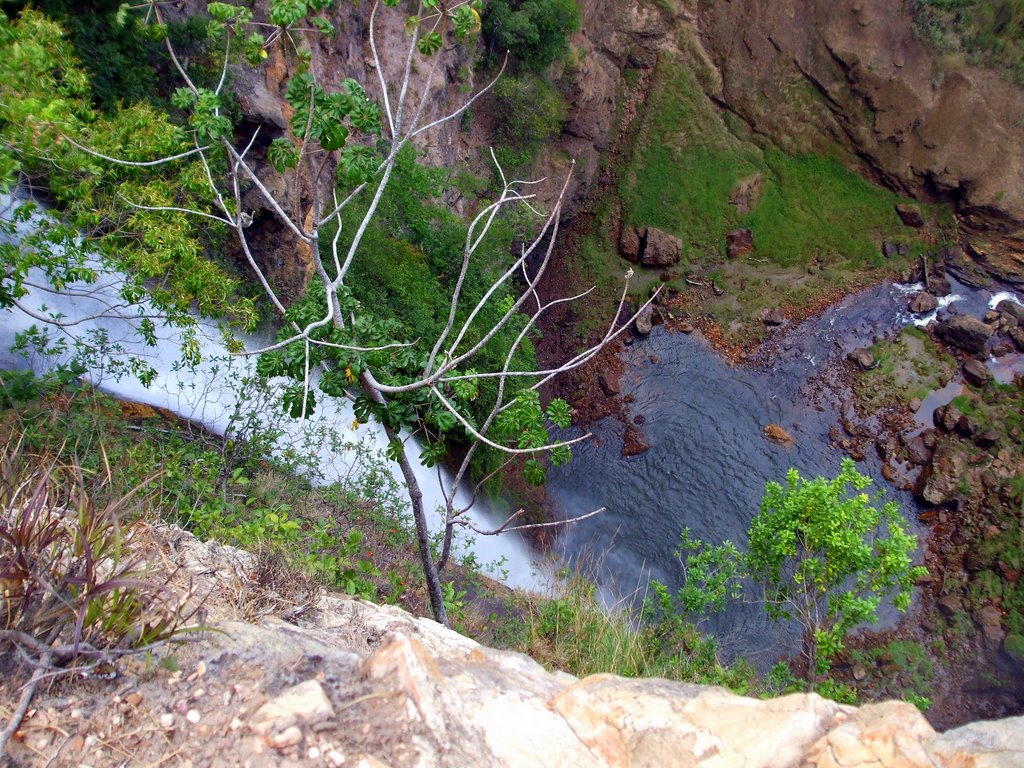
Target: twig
x,y
19,714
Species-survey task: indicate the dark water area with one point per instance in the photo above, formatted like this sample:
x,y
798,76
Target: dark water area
x,y
708,460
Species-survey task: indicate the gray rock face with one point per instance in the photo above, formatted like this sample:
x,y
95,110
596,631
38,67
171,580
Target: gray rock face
x,y
662,249
977,373
922,303
1012,309
863,358
644,321
965,332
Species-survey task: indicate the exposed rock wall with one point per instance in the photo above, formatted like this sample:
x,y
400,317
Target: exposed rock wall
x,y
810,73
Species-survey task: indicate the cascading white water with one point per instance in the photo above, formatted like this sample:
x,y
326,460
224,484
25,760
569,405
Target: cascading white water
x,y
207,394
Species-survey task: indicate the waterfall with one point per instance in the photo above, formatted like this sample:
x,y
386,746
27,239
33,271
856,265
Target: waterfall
x,y
207,394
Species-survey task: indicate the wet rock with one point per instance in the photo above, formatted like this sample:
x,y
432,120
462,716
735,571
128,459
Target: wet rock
x,y
739,242
991,317
1011,309
661,249
940,481
644,321
777,434
987,439
910,215
991,624
965,332
1017,334
918,453
609,383
629,244
922,303
634,442
939,286
774,317
977,373
914,405
930,438
950,605
947,417
863,358
1002,347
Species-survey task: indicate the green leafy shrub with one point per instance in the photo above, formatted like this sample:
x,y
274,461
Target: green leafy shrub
x,y
529,111
535,32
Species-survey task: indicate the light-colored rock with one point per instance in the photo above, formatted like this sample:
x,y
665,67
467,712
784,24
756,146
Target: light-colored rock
x,y
302,704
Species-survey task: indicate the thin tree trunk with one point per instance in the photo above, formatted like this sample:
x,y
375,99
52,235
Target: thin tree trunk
x,y
422,533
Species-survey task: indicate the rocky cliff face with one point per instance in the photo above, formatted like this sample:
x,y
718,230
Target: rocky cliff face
x,y
809,74
348,683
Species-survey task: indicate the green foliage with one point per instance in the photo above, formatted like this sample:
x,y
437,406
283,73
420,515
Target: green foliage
x,y
991,32
535,32
70,580
529,111
826,558
682,177
44,97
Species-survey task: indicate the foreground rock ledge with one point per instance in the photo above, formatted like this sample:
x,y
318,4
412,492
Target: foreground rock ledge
x,y
361,685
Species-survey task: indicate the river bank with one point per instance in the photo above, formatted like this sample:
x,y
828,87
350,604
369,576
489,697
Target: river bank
x,y
802,378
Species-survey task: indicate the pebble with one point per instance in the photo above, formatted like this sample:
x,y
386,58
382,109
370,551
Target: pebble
x,y
166,721
235,724
313,753
193,716
335,757
289,737
133,699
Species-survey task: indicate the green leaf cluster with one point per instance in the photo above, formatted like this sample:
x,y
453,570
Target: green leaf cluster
x,y
536,32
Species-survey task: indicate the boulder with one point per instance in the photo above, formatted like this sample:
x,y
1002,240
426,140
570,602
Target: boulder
x,y
987,439
947,417
1002,347
777,434
863,358
922,303
661,249
939,483
1017,334
1011,309
918,453
644,321
976,372
910,215
774,317
629,243
890,250
746,194
965,332
990,621
609,383
739,242
634,442
939,286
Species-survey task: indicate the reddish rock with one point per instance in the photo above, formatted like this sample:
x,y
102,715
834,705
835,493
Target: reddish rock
x,y
773,317
609,383
634,442
739,242
629,244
